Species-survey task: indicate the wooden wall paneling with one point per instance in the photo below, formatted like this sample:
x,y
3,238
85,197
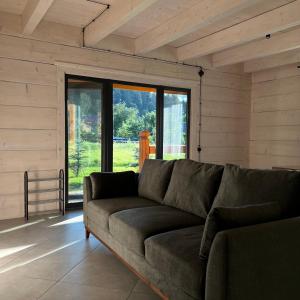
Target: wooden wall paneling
x,y
194,122
24,139
276,103
60,136
268,161
275,133
31,50
224,79
290,70
27,94
224,154
225,109
275,118
225,118
27,72
27,117
223,124
220,139
233,95
280,148
274,87
21,160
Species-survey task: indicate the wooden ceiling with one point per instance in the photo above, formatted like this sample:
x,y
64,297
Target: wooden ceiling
x,y
225,31
154,16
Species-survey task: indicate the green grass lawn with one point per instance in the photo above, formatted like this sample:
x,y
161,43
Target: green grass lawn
x,y
125,158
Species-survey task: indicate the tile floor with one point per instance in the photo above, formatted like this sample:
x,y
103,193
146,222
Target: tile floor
x,y
49,258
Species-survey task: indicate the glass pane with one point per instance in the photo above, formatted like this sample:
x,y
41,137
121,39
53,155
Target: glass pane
x,y
175,124
84,133
134,110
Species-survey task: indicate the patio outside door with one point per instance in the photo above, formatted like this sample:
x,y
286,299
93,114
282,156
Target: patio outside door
x,y
114,126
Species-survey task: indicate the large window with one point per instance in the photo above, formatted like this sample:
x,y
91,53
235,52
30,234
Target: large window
x,y
134,110
104,121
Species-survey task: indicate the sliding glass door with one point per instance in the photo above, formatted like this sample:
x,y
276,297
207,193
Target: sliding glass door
x,y
84,105
114,126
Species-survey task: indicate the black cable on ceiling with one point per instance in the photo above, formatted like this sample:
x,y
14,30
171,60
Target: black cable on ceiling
x,y
170,62
98,2
107,6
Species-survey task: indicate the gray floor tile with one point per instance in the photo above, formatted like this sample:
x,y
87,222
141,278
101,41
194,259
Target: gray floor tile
x,y
106,272
15,287
49,258
142,296
141,287
69,291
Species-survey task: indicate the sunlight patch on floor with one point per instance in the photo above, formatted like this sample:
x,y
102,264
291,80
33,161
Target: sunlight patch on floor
x,y
12,250
53,217
77,219
38,257
21,226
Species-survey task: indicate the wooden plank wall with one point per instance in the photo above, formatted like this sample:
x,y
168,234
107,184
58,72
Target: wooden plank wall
x,y
275,118
30,133
28,129
225,118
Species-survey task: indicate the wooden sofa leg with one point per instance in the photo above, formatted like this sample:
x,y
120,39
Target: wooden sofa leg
x,y
87,233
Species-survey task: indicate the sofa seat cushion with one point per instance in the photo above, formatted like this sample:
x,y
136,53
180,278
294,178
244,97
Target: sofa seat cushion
x,y
131,227
175,254
100,210
193,186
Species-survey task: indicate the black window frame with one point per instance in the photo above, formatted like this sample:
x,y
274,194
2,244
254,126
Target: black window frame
x,y
107,119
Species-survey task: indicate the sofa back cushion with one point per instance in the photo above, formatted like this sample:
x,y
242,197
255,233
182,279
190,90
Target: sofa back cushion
x,y
241,187
111,185
223,218
193,186
154,179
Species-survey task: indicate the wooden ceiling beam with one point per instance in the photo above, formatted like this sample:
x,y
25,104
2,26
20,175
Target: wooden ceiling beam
x,y
33,14
273,61
190,20
282,18
279,43
119,13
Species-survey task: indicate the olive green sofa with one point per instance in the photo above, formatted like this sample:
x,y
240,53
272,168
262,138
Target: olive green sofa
x,y
201,231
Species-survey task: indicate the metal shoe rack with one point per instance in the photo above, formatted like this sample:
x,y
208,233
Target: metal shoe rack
x,y
59,189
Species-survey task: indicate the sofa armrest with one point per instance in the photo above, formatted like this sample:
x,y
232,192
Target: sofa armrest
x,y
258,262
103,185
